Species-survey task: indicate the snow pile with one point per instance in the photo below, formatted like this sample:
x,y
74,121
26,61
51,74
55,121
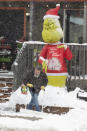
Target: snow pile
x,y
18,98
52,96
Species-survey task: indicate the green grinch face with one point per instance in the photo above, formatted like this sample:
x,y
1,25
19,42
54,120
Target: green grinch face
x,y
52,31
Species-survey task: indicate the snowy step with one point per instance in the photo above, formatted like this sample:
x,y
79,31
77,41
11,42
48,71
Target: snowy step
x,y
3,100
3,80
4,71
6,83
2,84
6,77
22,117
9,84
5,95
9,90
6,74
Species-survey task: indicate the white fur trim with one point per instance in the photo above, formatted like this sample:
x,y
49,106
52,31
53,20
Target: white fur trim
x,y
57,74
57,5
41,58
51,16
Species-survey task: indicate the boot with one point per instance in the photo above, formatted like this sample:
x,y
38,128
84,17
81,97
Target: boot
x,y
17,108
23,106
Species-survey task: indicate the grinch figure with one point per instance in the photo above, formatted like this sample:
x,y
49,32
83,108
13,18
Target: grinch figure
x,y
53,55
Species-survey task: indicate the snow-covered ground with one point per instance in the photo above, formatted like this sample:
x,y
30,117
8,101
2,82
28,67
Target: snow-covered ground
x,y
26,120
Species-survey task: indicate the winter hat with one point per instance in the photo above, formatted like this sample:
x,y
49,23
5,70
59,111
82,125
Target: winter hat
x,y
38,67
52,13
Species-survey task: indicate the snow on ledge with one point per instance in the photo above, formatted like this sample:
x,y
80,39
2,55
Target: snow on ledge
x,y
43,43
79,77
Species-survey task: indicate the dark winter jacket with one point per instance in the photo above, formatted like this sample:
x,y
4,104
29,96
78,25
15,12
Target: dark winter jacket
x,y
42,80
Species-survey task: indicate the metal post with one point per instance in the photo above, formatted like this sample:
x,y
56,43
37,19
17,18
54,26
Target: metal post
x,y
68,26
85,23
31,20
85,37
64,25
83,69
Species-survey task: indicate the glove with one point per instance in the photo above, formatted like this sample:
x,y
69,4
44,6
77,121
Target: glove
x,y
62,46
65,47
30,85
44,65
42,87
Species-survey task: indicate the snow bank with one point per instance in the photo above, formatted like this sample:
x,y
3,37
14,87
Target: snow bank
x,y
18,97
52,96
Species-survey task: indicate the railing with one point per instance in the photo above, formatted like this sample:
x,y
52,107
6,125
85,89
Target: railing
x,y
77,68
28,56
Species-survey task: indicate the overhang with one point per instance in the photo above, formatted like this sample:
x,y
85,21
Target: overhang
x,y
44,0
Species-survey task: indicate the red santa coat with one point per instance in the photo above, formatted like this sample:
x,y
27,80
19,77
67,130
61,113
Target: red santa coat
x,y
55,55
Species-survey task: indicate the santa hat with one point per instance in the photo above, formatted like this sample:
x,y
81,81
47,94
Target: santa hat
x,y
52,13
